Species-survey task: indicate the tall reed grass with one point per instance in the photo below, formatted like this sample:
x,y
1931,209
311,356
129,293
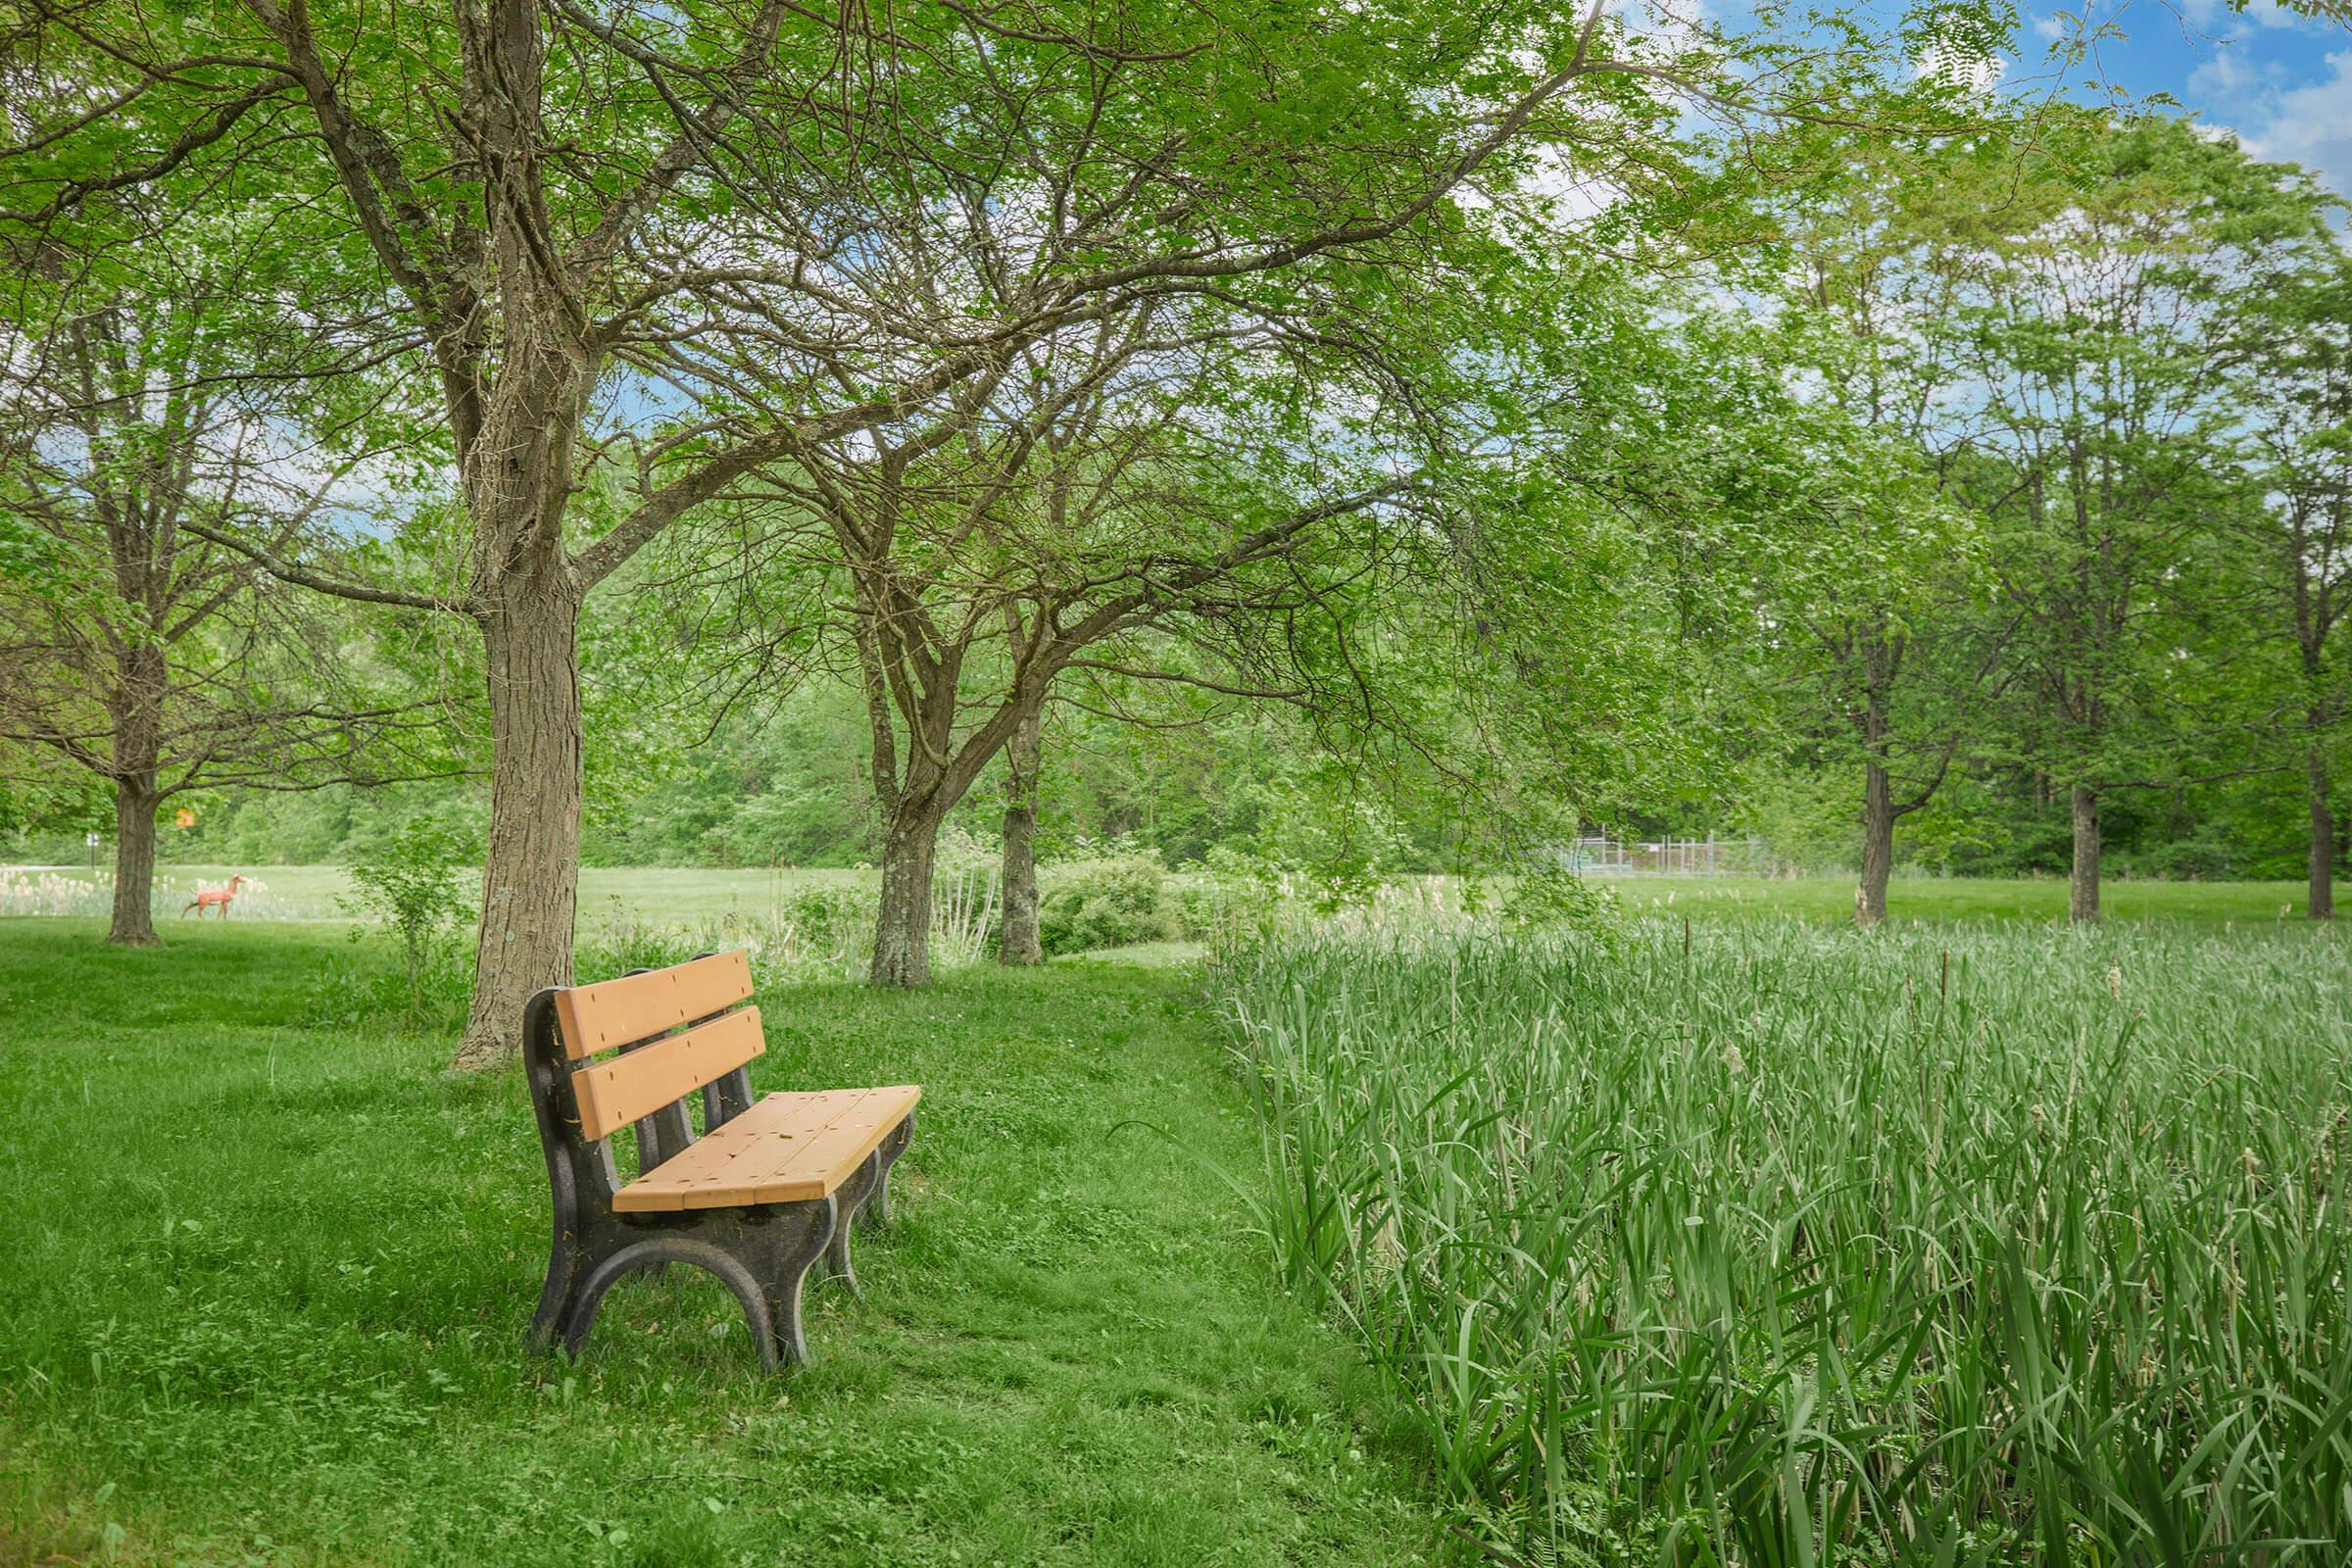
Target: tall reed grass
x,y
1774,1246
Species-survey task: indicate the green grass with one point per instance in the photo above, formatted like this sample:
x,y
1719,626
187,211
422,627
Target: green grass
x,y
616,895
607,893
1770,1245
1944,900
266,1285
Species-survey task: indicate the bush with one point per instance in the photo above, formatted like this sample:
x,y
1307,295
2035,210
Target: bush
x,y
1551,897
832,925
416,884
1108,904
1215,907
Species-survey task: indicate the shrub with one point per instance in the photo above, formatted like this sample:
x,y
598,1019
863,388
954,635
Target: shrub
x,y
1107,903
832,925
1548,897
415,883
1215,907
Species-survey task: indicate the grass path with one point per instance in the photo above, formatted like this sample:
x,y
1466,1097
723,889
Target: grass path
x,y
265,1285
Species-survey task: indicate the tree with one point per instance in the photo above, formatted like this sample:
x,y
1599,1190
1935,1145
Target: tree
x,y
138,412
566,207
2092,337
2294,331
1872,569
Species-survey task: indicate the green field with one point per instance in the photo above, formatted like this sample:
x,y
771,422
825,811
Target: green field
x,y
1746,1245
606,893
1947,899
267,1280
1759,1242
693,896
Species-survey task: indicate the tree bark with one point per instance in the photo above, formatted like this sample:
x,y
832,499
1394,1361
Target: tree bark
x,y
133,923
2322,903
2082,890
1877,845
902,925
531,875
1020,945
142,677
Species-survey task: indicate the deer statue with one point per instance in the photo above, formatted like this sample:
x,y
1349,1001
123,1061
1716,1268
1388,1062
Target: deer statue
x,y
208,898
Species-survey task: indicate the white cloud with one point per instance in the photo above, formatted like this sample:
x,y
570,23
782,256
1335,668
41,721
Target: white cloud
x,y
2308,123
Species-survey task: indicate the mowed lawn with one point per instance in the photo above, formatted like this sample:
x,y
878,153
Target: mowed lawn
x,y
1941,899
670,896
607,893
265,1285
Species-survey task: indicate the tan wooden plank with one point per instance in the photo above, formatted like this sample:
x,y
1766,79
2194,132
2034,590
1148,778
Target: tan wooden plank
x,y
826,1162
757,1138
765,1133
795,1170
787,1148
618,1090
770,1152
615,1012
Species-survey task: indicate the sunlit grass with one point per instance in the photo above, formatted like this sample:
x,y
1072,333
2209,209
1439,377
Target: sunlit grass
x,y
265,1280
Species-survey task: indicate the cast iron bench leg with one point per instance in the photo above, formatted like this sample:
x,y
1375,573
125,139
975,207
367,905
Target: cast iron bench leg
x,y
760,1255
875,1211
564,1263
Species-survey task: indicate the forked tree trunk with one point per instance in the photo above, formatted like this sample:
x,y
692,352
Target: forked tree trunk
x,y
1020,944
2082,886
2321,904
531,875
1877,845
902,925
133,922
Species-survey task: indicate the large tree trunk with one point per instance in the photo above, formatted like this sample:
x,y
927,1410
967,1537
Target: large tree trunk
x,y
133,924
2321,904
1877,845
531,877
1020,944
902,926
2082,889
142,679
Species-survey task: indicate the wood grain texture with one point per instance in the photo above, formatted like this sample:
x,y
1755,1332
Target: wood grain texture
x,y
616,1013
788,1147
615,1092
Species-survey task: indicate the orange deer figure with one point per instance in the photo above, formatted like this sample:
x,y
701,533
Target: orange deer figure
x,y
208,898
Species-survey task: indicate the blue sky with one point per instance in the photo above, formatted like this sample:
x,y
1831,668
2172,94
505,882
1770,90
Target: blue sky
x,y
2282,82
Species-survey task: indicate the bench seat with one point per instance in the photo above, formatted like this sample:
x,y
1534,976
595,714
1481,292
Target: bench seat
x,y
787,1148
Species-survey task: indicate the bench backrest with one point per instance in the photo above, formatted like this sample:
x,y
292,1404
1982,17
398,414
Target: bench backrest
x,y
627,1063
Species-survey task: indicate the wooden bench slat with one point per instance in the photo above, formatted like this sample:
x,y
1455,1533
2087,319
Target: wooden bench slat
x,y
786,1148
709,1161
616,1013
615,1092
768,1147
782,1126
835,1150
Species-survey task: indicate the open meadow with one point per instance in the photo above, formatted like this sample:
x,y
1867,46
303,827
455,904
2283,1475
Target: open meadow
x,y
1218,566
701,895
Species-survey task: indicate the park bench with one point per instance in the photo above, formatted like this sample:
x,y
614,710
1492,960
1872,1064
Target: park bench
x,y
769,1188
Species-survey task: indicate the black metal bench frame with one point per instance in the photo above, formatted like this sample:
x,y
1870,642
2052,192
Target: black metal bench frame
x,y
761,1252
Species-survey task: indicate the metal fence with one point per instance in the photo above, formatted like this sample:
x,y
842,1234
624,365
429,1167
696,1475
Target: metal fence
x,y
1604,856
